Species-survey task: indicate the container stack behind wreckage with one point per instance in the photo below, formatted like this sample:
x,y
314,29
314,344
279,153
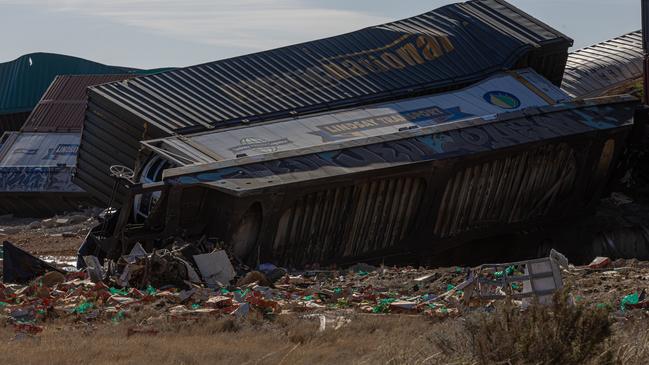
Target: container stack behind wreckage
x,y
390,143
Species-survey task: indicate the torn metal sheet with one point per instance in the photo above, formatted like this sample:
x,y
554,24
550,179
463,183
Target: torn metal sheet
x,y
94,268
20,266
215,267
529,280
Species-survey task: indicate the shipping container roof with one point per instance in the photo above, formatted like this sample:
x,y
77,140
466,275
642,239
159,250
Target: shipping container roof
x,y
23,80
598,68
445,48
62,107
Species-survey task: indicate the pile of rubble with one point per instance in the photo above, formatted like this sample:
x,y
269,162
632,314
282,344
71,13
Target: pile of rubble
x,y
186,283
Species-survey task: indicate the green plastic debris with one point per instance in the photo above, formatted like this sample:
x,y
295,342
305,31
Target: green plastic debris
x,y
3,304
338,290
196,306
224,291
442,308
308,297
515,286
629,299
342,303
458,269
508,271
150,290
83,308
118,317
240,292
362,273
383,305
450,287
118,291
41,312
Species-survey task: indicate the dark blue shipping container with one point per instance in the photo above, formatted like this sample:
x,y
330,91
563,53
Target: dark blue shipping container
x,y
443,49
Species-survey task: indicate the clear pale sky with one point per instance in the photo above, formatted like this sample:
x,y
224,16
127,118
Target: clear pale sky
x,y
159,33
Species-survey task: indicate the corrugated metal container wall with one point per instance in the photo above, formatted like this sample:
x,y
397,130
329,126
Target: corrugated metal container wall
x,y
454,45
62,107
23,80
596,69
444,49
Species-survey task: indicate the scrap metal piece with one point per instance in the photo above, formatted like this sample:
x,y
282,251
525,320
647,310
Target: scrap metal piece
x,y
94,268
540,279
20,266
215,267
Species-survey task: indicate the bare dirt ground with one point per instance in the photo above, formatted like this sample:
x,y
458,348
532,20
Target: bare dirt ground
x,y
51,239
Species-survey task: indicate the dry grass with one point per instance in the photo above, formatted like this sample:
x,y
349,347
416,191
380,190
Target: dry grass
x,y
560,334
563,334
287,340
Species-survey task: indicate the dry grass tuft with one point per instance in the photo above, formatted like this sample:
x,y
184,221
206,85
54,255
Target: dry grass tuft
x,y
559,334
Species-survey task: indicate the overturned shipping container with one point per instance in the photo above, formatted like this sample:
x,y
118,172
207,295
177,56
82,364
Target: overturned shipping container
x,y
392,143
604,67
24,80
444,49
38,162
389,181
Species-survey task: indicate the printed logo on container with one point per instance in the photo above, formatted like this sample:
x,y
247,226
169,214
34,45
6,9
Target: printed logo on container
x,y
260,145
502,99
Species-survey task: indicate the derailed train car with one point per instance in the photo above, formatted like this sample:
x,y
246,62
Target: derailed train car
x,y
444,49
394,180
396,164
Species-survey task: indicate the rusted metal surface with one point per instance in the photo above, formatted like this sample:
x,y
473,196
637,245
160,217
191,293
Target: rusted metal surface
x,y
62,107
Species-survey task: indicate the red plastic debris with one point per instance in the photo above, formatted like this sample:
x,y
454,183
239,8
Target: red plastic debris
x,y
28,328
599,263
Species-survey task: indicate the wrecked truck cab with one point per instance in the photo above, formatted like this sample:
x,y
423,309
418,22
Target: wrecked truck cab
x,y
152,171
